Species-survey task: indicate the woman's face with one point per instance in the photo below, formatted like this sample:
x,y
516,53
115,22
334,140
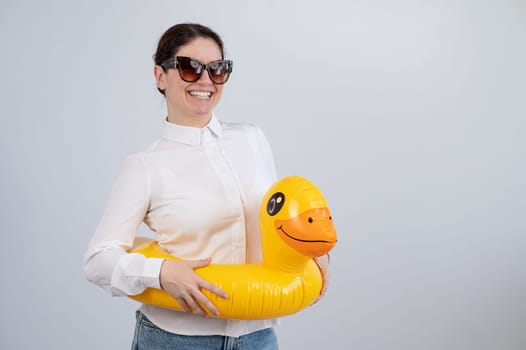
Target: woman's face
x,y
191,104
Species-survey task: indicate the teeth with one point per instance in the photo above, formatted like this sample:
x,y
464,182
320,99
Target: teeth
x,y
201,94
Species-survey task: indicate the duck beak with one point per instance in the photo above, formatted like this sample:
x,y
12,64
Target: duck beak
x,y
311,233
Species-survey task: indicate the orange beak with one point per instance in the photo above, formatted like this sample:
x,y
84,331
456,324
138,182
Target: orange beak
x,y
311,233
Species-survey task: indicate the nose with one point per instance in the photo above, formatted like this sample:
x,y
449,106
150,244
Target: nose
x,y
205,78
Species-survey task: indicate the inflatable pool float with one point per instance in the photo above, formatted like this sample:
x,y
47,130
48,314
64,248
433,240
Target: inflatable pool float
x,y
296,226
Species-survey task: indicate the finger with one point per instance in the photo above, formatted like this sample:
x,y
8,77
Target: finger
x,y
195,308
320,296
184,304
213,288
205,303
323,289
194,264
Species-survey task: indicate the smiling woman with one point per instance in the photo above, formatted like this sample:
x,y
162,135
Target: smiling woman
x,y
180,62
199,189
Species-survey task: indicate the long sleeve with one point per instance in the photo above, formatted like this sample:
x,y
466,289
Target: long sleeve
x,y
199,191
106,262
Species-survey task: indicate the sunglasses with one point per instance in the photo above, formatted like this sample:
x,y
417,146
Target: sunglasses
x,y
190,69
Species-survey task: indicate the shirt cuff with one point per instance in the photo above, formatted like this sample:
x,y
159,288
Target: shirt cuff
x,y
151,272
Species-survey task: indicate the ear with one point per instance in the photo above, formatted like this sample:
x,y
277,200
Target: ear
x,y
160,77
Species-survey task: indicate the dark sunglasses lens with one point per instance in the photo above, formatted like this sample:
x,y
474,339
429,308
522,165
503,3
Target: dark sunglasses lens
x,y
190,70
219,71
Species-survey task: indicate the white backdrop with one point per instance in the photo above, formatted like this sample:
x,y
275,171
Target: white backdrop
x,y
408,114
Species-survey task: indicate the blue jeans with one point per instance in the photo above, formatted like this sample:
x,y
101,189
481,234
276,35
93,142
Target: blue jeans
x,y
150,337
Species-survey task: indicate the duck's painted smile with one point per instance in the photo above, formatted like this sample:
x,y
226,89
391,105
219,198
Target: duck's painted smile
x,y
298,239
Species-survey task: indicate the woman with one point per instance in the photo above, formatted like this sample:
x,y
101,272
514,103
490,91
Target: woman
x,y
198,188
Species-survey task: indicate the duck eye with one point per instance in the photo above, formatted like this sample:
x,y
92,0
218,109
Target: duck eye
x,y
275,203
330,217
310,220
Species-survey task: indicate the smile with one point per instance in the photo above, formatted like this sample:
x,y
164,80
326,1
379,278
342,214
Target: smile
x,y
300,240
201,94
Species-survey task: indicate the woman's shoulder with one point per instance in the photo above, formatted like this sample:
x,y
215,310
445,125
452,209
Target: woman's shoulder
x,y
145,154
252,130
241,127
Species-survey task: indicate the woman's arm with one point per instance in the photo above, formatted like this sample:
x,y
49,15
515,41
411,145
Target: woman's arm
x,y
106,261
323,263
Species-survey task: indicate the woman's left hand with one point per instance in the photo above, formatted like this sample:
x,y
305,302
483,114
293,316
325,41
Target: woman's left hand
x,y
323,264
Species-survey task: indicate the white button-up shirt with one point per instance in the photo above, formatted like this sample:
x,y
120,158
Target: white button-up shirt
x,y
199,190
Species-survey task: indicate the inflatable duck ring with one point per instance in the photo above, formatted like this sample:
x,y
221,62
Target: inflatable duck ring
x,y
296,226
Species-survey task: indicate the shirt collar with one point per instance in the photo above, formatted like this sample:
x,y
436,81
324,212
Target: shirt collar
x,y
191,135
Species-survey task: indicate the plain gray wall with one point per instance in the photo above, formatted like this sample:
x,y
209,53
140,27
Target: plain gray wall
x,y
409,115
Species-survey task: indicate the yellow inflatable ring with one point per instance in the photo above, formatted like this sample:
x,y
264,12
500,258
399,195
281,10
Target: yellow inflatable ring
x,y
296,226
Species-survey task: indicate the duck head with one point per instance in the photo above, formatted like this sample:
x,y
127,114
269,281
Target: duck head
x,y
296,223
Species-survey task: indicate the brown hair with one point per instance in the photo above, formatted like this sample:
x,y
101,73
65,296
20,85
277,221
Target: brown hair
x,y
179,35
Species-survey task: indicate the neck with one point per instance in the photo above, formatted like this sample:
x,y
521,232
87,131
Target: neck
x,y
193,121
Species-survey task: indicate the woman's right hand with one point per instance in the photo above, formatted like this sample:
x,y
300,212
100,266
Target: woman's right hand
x,y
178,279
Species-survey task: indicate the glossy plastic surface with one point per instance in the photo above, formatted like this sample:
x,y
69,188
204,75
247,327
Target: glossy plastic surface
x,y
296,225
